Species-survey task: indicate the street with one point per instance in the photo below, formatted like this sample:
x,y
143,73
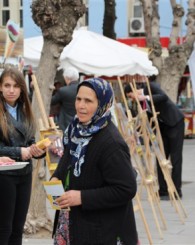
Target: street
x,y
176,232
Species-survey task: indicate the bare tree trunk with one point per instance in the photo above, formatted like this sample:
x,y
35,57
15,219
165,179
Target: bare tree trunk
x,y
38,219
57,20
38,223
171,68
109,19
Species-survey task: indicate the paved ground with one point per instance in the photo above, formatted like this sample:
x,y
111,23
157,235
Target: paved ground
x,y
176,232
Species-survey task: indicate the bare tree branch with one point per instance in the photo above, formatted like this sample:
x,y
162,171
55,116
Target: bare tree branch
x,y
170,68
178,13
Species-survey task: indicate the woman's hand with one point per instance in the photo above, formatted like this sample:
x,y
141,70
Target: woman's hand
x,y
69,199
54,179
26,153
141,97
6,159
36,151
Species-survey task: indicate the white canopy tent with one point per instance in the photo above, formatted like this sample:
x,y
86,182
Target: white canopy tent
x,y
95,54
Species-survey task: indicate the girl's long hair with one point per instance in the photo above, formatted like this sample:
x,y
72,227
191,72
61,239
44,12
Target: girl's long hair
x,y
29,121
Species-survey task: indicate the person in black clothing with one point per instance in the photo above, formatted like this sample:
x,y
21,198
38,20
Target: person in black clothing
x,y
171,123
100,180
65,96
17,141
55,109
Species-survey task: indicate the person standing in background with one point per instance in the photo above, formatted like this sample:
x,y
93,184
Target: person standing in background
x,y
17,141
65,96
171,124
55,109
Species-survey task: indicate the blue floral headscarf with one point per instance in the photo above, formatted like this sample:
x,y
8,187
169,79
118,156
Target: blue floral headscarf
x,y
77,136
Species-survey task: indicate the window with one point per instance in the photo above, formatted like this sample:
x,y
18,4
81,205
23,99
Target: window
x,y
87,17
6,3
5,17
21,3
21,18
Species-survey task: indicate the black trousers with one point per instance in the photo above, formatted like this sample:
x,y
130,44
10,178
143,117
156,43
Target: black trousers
x,y
15,194
173,138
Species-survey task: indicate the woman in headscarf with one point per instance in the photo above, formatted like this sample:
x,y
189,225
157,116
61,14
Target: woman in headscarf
x,y
97,174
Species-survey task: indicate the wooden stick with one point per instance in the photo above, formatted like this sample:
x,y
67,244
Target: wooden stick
x,y
160,154
140,209
40,102
155,118
150,189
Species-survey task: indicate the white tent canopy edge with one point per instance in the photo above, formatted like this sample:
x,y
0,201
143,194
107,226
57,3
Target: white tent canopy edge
x,y
94,54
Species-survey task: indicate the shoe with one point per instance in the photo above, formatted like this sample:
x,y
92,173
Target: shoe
x,y
164,198
163,192
176,198
179,193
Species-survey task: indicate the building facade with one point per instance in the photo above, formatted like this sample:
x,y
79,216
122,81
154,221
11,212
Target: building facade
x,y
11,9
11,40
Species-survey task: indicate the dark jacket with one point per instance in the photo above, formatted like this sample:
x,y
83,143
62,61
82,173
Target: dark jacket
x,y
169,113
65,96
108,185
17,139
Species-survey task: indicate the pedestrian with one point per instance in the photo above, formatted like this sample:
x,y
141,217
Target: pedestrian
x,y
65,96
100,180
17,129
171,124
55,109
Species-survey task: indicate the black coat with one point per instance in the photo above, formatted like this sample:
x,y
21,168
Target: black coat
x,y
65,96
169,113
108,185
17,139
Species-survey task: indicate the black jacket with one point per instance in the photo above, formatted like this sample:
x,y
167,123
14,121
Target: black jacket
x,y
108,185
17,139
169,113
65,96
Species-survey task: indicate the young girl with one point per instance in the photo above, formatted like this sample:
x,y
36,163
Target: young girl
x,y
17,130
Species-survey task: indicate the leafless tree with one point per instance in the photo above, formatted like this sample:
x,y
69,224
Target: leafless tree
x,y
170,68
57,20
